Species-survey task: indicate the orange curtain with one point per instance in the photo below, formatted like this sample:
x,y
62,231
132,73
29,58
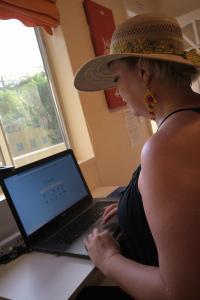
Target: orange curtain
x,y
33,13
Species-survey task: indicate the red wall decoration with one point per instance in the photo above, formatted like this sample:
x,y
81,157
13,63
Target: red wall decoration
x,y
101,23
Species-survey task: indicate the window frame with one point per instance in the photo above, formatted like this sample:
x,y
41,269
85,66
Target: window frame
x,y
47,151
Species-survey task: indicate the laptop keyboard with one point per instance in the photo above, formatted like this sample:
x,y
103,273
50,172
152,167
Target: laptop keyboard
x,y
73,230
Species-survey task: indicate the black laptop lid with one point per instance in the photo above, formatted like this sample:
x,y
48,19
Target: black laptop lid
x,y
41,191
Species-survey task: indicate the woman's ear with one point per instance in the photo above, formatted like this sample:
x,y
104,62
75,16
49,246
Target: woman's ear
x,y
145,75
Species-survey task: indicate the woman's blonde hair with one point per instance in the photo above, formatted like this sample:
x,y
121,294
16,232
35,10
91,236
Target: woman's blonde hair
x,y
167,71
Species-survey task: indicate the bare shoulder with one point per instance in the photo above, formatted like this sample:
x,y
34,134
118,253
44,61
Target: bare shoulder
x,y
174,141
170,189
170,166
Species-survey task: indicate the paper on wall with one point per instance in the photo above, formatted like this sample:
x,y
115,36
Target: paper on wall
x,y
136,128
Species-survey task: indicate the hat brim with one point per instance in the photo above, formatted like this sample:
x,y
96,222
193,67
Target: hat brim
x,y
95,75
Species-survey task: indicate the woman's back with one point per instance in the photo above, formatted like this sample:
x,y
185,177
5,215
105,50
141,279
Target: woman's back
x,y
170,188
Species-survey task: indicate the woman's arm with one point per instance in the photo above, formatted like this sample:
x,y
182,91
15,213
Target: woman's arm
x,y
170,192
169,184
140,281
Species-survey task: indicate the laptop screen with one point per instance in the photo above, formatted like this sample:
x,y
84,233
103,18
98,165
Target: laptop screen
x,y
42,192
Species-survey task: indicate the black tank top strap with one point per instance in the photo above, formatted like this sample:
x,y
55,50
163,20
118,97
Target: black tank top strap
x,y
195,109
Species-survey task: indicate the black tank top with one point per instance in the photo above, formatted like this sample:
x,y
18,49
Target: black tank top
x,y
137,242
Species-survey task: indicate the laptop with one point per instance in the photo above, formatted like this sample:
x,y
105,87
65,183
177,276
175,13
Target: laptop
x,y
52,205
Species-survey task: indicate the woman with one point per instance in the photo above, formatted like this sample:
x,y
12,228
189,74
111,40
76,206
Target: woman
x,y
160,209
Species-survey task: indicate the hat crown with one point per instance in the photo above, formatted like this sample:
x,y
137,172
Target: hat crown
x,y
148,33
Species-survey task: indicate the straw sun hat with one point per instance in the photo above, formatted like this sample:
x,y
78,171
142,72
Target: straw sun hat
x,y
145,35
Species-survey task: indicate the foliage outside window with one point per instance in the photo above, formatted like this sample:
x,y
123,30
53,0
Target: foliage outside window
x,y
28,113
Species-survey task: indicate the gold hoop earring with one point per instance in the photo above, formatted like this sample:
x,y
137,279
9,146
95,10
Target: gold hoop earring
x,y
150,102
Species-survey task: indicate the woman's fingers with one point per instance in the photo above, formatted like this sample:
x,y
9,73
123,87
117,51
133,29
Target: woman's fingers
x,y
90,236
109,212
109,215
109,208
100,246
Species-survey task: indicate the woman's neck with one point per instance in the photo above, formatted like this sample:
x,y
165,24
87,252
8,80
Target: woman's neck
x,y
173,98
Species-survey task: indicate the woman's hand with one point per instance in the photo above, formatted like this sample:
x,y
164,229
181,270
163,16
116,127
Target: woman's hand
x,y
109,212
101,247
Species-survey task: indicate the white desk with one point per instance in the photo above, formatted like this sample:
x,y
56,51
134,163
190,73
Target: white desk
x,y
41,276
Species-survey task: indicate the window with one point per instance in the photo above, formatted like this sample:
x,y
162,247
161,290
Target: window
x,y
31,126
190,24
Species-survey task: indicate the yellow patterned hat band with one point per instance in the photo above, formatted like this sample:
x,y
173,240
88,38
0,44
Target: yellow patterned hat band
x,y
192,56
147,46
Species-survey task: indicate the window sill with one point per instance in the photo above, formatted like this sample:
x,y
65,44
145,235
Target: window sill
x,y
2,197
103,191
